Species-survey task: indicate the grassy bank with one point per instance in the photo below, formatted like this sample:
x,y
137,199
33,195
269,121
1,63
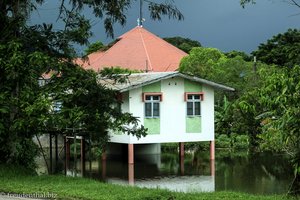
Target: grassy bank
x,y
21,181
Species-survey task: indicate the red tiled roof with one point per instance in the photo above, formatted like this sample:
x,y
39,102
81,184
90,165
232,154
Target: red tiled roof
x,y
137,49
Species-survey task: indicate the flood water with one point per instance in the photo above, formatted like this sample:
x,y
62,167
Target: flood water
x,y
242,172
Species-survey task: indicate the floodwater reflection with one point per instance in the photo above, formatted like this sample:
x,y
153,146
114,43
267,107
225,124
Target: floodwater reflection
x,y
157,178
257,174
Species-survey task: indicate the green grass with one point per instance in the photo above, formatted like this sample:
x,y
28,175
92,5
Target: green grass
x,y
21,181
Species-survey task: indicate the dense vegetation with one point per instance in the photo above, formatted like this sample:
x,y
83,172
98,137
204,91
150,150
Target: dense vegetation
x,y
185,44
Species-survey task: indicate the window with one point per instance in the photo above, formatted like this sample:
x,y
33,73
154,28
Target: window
x,y
43,82
57,105
152,105
193,104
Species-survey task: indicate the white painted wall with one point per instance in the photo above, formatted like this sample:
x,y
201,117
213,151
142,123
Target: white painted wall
x,y
172,115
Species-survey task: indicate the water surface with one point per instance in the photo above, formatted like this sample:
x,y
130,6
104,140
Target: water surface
x,y
242,172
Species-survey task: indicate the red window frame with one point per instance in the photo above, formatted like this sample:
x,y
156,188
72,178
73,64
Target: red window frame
x,y
144,94
193,93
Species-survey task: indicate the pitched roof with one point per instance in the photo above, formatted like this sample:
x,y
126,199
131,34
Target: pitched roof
x,y
138,49
141,79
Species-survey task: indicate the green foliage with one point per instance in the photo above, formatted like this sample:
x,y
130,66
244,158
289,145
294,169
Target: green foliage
x,y
169,147
291,2
270,114
94,47
241,142
235,53
281,116
200,61
117,70
185,44
233,141
223,141
244,2
282,49
211,64
19,108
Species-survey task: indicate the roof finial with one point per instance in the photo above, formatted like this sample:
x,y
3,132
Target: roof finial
x,y
140,20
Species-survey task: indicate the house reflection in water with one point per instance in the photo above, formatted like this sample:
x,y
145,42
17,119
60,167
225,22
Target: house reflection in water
x,y
150,172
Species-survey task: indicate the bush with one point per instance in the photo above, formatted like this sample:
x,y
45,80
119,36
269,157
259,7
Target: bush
x,y
234,141
169,147
223,141
241,142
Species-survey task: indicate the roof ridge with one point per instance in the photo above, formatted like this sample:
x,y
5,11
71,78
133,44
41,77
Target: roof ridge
x,y
90,63
126,33
108,50
135,49
147,54
164,42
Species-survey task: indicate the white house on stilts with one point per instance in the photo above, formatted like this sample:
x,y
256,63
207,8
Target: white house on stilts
x,y
174,107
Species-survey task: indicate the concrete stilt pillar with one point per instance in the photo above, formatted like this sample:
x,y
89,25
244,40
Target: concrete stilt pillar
x,y
181,157
212,167
212,150
131,164
181,149
181,160
130,153
131,174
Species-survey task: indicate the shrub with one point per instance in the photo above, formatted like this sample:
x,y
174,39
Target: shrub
x,y
240,141
223,141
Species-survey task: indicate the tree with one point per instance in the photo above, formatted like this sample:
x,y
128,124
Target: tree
x,y
292,2
234,53
212,64
94,47
280,97
29,52
282,49
185,44
269,114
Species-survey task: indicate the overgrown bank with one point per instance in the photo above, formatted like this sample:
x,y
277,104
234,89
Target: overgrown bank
x,y
21,181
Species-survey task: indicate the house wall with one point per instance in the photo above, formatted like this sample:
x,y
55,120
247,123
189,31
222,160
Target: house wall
x,y
152,124
193,124
174,125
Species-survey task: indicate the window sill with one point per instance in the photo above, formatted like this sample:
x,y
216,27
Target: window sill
x,y
151,117
191,116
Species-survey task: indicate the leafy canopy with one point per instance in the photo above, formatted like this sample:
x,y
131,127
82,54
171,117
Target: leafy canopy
x,y
282,49
185,44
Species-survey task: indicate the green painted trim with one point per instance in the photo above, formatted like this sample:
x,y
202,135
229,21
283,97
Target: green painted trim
x,y
153,125
193,124
191,86
154,87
